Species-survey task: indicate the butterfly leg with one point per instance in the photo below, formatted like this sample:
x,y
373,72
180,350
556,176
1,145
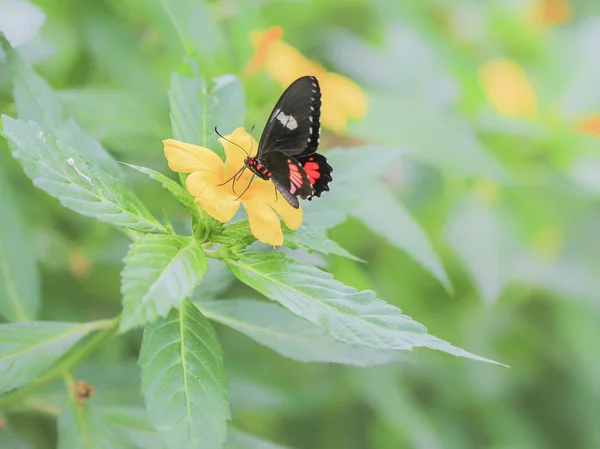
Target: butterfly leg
x,y
251,179
239,172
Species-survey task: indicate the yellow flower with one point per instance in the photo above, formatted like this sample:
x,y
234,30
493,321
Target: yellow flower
x,y
342,98
508,88
206,181
589,125
548,13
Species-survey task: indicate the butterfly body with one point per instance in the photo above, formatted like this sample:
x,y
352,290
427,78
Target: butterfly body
x,y
287,152
258,168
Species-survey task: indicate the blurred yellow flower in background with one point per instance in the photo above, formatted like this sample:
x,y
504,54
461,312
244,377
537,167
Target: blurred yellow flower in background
x,y
548,13
221,201
589,125
508,89
342,98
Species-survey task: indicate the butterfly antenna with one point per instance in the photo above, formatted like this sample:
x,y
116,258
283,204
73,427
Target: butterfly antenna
x,y
222,136
251,179
251,139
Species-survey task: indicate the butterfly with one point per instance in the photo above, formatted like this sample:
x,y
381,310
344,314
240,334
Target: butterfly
x,y
287,151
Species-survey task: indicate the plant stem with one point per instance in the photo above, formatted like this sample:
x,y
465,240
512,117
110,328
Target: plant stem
x,y
108,329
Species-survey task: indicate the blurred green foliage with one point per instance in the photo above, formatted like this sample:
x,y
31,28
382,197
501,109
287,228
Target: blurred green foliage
x,y
509,203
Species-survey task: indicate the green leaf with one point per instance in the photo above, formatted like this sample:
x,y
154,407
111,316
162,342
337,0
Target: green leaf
x,y
19,282
352,317
132,425
182,195
436,137
183,380
195,112
354,170
20,20
197,28
236,234
217,279
239,235
480,239
36,101
572,69
113,43
283,332
80,426
29,349
406,63
314,240
392,399
117,116
11,439
80,186
389,218
236,439
160,272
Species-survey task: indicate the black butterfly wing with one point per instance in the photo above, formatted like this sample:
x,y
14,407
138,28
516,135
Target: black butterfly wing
x,y
318,172
289,177
294,126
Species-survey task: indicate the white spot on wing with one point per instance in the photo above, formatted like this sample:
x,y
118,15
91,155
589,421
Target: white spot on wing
x,y
286,120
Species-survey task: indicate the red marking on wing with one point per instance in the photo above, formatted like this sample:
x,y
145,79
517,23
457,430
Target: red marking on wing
x,y
312,171
295,177
259,166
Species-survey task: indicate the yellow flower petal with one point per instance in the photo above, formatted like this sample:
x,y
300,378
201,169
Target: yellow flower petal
x,y
283,62
508,88
589,125
263,42
196,182
264,223
345,91
217,201
235,155
547,13
265,191
292,217
187,158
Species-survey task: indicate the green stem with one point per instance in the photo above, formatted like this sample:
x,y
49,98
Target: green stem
x,y
108,329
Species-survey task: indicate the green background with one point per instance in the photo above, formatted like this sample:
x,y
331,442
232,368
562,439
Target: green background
x,y
523,265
